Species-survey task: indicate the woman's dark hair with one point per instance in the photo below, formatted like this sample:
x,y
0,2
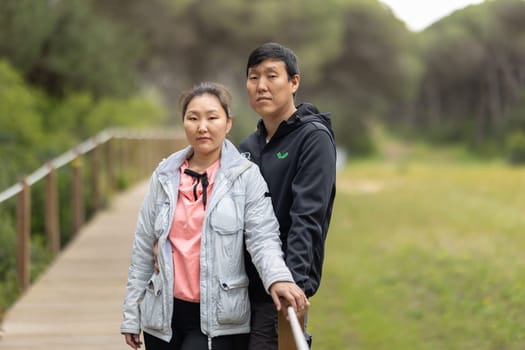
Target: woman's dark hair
x,y
277,52
218,90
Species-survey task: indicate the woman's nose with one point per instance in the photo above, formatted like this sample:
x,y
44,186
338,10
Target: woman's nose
x,y
202,127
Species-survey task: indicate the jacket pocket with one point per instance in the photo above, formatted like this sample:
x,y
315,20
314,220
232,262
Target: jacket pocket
x,y
152,313
233,305
227,216
228,242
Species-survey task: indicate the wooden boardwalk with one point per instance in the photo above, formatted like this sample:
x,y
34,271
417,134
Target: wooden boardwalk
x,y
76,304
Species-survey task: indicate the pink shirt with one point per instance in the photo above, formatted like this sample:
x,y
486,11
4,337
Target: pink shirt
x,y
185,234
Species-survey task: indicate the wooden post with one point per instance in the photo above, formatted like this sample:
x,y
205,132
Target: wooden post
x,y
136,159
95,177
78,195
286,340
110,164
123,156
143,161
23,227
151,155
52,226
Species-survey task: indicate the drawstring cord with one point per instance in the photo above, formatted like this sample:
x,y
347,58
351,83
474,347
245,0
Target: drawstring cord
x,y
199,178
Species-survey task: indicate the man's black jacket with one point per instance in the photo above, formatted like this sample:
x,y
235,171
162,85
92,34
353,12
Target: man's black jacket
x,y
299,165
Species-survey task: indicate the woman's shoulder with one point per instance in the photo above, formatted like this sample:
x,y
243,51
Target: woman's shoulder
x,y
174,160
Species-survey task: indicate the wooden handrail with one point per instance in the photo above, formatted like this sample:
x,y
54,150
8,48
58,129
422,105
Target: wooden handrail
x,y
150,147
289,331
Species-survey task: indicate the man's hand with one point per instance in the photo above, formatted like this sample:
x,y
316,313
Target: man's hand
x,y
133,340
288,293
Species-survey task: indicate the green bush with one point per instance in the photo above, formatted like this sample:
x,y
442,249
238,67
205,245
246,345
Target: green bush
x,y
20,125
516,147
8,284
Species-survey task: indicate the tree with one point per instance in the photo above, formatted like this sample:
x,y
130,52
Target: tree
x,y
369,75
64,45
474,73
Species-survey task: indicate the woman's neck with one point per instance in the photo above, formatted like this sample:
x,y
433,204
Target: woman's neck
x,y
200,163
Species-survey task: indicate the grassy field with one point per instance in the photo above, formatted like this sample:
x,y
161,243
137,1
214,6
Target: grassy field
x,y
424,255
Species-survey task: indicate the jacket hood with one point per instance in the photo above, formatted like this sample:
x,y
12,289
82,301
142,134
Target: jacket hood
x,y
305,113
308,113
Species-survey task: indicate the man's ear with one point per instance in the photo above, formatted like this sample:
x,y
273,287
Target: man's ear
x,y
296,79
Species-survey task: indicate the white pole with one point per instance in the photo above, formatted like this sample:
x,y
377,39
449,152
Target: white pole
x,y
298,334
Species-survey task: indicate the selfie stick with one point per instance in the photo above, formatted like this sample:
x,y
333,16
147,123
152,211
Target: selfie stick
x,y
298,335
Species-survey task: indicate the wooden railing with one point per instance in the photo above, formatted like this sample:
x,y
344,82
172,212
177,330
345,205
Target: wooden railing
x,y
115,156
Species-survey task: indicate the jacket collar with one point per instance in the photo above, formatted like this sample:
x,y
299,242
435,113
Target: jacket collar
x,y
232,163
305,113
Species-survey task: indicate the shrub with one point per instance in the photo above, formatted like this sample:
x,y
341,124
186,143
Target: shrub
x,y
516,147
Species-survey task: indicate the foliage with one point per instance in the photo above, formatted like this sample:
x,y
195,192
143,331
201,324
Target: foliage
x,y
9,287
35,127
210,40
473,77
21,129
516,147
65,45
82,115
460,80
362,80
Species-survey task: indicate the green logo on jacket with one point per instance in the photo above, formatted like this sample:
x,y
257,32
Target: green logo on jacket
x,y
282,155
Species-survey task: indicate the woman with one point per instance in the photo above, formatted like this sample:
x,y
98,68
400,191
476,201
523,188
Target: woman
x,y
204,204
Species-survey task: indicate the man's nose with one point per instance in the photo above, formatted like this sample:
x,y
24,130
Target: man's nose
x,y
262,84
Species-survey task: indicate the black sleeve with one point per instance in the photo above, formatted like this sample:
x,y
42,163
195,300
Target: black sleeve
x,y
313,189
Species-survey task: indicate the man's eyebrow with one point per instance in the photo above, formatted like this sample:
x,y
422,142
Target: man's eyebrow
x,y
266,70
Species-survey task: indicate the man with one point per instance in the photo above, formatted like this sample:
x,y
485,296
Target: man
x,y
295,149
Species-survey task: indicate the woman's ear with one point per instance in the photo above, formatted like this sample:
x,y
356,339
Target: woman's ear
x,y
229,124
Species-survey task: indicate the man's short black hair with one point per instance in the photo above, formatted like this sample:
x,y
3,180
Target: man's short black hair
x,y
277,52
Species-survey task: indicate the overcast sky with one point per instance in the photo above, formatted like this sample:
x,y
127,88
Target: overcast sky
x,y
418,14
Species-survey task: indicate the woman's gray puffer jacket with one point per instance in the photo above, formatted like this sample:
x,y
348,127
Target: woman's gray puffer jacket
x,y
239,211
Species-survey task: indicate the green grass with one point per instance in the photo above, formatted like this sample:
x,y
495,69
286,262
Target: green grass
x,y
424,255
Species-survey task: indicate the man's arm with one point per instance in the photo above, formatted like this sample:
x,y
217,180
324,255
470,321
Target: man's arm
x,y
313,190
